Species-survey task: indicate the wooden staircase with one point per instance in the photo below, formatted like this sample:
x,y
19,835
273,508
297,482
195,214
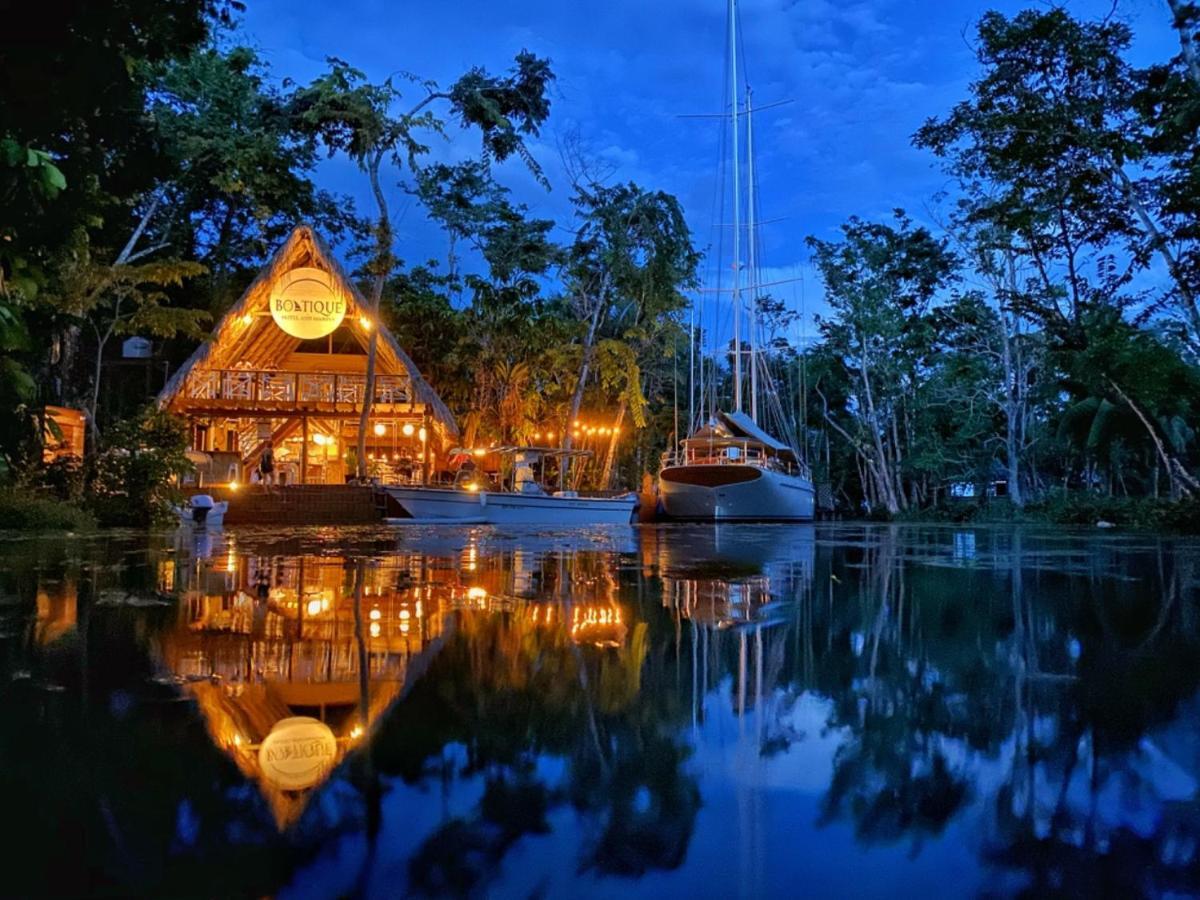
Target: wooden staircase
x,y
303,504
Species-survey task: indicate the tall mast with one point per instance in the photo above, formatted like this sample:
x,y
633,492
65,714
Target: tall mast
x,y
737,222
751,241
691,371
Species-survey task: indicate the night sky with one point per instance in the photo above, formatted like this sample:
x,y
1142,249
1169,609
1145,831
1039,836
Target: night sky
x,y
862,77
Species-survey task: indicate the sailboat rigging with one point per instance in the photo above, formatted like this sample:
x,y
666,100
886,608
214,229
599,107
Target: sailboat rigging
x,y
731,467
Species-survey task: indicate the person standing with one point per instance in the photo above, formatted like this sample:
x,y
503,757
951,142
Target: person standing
x,y
266,466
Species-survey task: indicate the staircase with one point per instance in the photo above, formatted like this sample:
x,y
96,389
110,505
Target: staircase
x,y
303,504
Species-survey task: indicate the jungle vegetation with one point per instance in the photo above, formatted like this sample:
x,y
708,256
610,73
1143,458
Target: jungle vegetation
x,y
1033,332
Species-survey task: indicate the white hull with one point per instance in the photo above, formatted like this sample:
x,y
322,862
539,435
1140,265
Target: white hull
x,y
765,494
212,517
503,508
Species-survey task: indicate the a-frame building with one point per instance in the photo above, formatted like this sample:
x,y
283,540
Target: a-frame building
x,y
261,374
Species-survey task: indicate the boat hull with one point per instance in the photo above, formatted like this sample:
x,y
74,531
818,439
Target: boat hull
x,y
500,508
744,493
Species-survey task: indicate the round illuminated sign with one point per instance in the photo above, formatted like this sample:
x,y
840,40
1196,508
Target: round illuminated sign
x,y
306,305
297,753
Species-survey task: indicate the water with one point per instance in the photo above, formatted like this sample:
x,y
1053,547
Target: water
x,y
707,711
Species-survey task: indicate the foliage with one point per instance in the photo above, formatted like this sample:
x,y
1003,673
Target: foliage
x,y
24,509
133,483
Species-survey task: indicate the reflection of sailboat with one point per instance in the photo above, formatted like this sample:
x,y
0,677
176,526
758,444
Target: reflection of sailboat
x,y
723,576
732,467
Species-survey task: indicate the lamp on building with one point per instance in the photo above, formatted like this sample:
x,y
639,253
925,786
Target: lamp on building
x,y
422,434
379,429
408,429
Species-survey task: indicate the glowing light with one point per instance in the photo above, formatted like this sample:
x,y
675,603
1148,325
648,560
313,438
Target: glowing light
x,y
471,486
404,614
537,435
233,485
419,610
476,593
617,430
319,439
479,451
314,607
365,323
422,434
408,429
375,629
356,732
379,429
577,423
404,628
375,615
247,319
549,435
238,740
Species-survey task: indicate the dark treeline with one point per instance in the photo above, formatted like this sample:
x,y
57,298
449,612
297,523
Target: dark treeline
x,y
1042,334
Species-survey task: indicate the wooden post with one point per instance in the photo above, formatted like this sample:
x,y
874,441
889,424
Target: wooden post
x,y
425,448
304,449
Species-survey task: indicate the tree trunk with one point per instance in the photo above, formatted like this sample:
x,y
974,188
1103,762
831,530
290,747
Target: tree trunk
x,y
610,455
1178,478
383,255
1187,41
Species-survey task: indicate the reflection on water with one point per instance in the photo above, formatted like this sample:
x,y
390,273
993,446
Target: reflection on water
x,y
728,710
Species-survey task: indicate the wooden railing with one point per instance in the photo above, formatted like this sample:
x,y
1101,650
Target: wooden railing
x,y
726,455
249,387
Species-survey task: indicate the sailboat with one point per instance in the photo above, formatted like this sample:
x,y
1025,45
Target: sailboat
x,y
731,468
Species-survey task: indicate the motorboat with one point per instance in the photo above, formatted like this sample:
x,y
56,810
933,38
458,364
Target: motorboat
x,y
474,498
202,511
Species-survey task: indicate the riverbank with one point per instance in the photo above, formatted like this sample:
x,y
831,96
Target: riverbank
x,y
1142,513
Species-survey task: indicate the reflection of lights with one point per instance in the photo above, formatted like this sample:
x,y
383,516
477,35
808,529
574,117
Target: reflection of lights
x,y
419,610
375,629
379,429
408,429
404,627
476,593
422,434
375,615
584,619
404,614
231,561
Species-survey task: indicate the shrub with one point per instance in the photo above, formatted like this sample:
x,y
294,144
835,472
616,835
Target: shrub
x,y
26,510
136,471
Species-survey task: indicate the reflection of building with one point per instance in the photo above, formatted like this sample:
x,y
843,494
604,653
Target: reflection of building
x,y
288,363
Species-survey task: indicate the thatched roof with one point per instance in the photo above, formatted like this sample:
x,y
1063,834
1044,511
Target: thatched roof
x,y
260,343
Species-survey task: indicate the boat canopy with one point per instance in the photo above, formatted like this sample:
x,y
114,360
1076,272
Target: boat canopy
x,y
734,428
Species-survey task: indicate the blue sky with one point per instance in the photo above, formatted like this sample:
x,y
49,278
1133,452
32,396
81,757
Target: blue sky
x,y
862,76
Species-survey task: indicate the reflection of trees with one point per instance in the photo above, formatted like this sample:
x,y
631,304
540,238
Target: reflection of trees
x,y
932,668
510,690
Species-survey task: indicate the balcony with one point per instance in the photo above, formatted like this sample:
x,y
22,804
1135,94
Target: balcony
x,y
242,391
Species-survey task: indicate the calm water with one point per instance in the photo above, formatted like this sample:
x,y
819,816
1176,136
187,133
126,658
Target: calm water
x,y
729,711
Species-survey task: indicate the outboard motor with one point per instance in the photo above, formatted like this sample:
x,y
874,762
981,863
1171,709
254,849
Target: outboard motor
x,y
200,506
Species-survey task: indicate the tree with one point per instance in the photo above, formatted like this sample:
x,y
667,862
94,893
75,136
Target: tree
x,y
879,283
124,299
362,120
629,264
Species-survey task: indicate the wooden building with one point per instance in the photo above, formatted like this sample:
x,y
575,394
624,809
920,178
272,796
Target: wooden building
x,y
288,363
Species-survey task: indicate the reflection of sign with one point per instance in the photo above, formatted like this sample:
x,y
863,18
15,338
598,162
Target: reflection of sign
x,y
305,304
297,753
